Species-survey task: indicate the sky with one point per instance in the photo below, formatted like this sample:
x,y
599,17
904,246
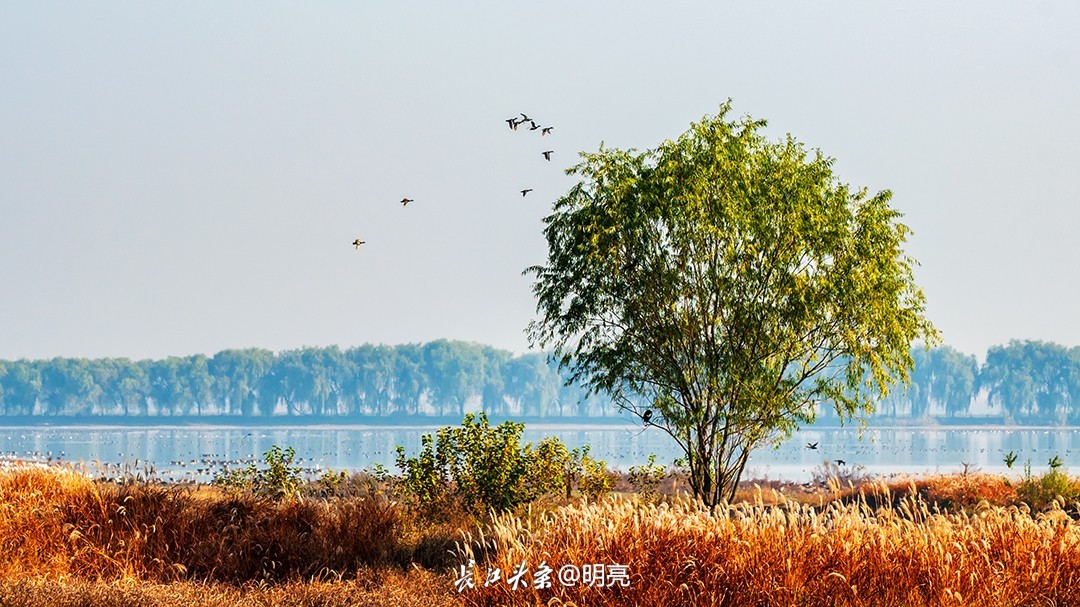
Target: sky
x,y
182,178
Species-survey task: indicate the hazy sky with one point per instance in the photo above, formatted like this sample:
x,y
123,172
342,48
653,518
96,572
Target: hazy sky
x,y
178,178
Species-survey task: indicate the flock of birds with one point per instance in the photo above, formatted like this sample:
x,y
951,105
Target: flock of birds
x,y
515,124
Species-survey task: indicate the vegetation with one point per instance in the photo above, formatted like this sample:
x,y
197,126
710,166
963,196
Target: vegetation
x,y
279,479
482,467
1034,379
1024,382
965,539
438,378
732,282
903,552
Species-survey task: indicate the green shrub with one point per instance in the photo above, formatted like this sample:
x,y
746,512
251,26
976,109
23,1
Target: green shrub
x,y
1039,491
484,467
596,480
551,461
646,479
280,478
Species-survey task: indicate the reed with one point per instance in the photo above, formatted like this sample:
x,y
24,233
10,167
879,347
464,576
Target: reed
x,y
60,524
385,588
904,552
67,539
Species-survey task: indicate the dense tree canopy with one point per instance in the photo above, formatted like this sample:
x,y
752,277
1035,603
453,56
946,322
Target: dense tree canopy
x,y
1034,379
440,378
734,283
396,380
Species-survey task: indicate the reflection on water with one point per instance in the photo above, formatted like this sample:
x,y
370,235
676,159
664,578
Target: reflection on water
x,y
196,452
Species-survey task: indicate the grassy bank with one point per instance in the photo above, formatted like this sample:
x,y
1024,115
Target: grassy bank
x,y
66,539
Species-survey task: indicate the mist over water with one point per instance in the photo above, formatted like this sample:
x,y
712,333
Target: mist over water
x,y
196,453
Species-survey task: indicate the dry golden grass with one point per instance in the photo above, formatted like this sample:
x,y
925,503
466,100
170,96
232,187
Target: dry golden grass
x,y
68,540
792,554
387,588
61,524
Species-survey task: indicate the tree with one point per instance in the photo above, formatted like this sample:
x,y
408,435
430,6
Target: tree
x,y
1033,378
940,377
732,285
236,374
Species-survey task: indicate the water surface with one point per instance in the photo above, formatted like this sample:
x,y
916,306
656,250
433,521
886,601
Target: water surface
x,y
196,452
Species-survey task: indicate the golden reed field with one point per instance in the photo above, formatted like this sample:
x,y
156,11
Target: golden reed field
x,y
66,539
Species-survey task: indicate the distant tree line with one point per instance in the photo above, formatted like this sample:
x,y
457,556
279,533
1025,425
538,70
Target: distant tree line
x,y
1022,382
433,379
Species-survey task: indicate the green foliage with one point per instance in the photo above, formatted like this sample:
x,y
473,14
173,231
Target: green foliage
x,y
279,479
646,479
1010,459
596,480
943,377
367,380
550,464
484,467
1033,379
1039,491
734,283
1029,381
332,484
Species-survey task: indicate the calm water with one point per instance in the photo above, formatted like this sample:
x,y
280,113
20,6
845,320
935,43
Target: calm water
x,y
196,452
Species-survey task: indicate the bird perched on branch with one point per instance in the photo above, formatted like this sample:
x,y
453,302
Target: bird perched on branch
x,y
647,417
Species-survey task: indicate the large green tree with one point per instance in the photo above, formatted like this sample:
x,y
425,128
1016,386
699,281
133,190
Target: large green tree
x,y
732,285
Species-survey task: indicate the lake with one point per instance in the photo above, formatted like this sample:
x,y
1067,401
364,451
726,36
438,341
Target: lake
x,y
195,452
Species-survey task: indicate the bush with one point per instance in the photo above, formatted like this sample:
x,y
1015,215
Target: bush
x,y
280,478
646,479
596,480
481,466
1040,491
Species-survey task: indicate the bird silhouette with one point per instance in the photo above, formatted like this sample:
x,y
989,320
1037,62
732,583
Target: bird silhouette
x,y
811,445
534,125
547,155
546,130
840,462
405,201
358,242
525,118
525,191
648,416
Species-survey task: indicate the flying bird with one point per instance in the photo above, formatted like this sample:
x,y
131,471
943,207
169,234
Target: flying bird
x,y
840,462
524,192
525,118
546,130
547,155
534,126
648,416
358,242
514,122
405,201
811,445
